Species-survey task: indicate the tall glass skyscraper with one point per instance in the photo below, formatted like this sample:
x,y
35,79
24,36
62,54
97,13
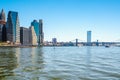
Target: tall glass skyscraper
x,y
13,27
38,27
89,38
41,31
2,26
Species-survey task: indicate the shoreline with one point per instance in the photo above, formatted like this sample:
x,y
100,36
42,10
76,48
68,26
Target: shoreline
x,y
17,46
28,46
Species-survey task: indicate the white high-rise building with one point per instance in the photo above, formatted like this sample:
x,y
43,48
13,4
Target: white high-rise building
x,y
89,38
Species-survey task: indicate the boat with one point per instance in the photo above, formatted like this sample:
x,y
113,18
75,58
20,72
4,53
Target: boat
x,y
107,46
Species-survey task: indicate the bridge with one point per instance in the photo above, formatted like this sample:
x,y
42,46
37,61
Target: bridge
x,y
78,42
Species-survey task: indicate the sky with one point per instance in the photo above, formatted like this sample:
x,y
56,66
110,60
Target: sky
x,y
67,20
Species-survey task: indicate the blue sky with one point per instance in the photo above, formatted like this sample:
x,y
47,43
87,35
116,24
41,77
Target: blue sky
x,y
70,19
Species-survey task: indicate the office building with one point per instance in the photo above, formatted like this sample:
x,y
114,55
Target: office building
x,y
4,34
2,15
38,27
24,36
88,38
54,41
13,27
32,36
41,32
2,26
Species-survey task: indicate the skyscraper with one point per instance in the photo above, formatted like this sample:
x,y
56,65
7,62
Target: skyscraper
x,y
13,27
4,34
38,27
54,41
32,36
89,38
41,32
24,36
2,26
2,15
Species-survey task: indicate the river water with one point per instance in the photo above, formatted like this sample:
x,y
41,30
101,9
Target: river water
x,y
60,63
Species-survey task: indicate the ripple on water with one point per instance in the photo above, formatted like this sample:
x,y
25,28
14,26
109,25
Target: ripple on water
x,y
61,63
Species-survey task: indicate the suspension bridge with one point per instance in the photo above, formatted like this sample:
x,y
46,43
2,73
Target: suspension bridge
x,y
78,42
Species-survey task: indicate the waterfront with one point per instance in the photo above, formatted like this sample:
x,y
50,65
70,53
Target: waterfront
x,y
60,63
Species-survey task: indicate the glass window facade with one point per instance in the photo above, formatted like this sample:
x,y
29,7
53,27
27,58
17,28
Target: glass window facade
x,y
88,38
13,27
38,27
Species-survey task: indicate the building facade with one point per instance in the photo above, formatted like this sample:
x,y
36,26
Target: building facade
x,y
32,36
41,32
24,36
13,27
4,34
89,38
54,41
38,27
2,15
2,26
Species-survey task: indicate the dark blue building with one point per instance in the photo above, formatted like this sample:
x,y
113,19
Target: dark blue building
x,y
13,27
24,36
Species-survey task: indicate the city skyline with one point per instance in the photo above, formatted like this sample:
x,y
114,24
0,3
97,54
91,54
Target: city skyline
x,y
12,33
70,19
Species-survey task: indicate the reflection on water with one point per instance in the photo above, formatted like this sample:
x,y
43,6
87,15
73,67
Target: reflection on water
x,y
8,62
30,63
37,57
60,63
88,61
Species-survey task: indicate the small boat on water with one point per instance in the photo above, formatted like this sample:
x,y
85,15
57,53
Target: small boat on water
x,y
107,46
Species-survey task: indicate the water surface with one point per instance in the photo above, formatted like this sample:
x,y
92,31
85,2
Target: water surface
x,y
60,63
